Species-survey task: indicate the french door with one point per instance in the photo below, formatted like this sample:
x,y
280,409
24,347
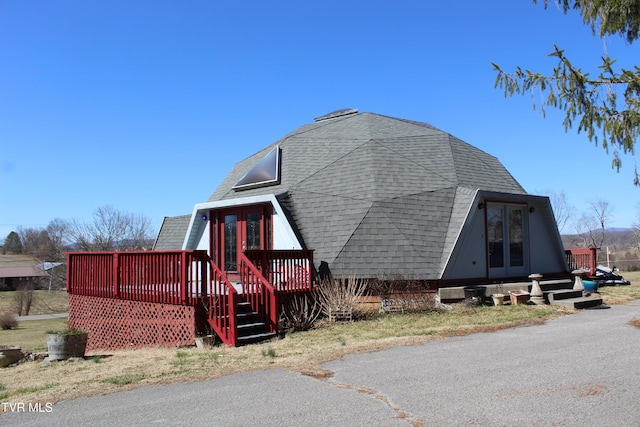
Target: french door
x,y
239,229
507,240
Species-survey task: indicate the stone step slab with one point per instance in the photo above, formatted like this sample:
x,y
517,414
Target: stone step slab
x,y
579,303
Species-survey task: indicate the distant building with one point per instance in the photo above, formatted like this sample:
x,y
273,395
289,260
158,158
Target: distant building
x,y
19,270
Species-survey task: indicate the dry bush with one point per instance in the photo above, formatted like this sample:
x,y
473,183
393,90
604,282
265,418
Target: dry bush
x,y
8,320
341,295
421,302
301,312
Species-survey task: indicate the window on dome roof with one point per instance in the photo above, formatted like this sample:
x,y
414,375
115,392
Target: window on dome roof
x,y
265,172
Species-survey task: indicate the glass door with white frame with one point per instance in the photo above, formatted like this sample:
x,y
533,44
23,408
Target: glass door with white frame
x,y
507,240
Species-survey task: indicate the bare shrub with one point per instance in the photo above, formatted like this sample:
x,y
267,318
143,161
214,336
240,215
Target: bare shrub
x,y
421,302
341,295
8,320
23,299
301,312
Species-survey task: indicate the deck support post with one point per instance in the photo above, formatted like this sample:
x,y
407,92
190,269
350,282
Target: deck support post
x,y
537,297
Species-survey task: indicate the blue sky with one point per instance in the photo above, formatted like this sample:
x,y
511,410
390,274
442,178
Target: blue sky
x,y
146,105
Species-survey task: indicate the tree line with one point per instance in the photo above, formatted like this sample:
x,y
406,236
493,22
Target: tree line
x,y
592,229
108,230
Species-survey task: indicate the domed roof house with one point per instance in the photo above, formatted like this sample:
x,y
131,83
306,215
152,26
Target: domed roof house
x,y
376,196
351,194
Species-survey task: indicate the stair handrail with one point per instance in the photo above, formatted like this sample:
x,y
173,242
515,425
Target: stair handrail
x,y
222,311
260,294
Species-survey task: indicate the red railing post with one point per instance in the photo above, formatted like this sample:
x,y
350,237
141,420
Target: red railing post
x,y
70,267
183,279
311,271
116,275
232,300
264,265
204,279
593,263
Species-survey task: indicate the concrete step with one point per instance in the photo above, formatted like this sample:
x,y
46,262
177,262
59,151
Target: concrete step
x,y
556,285
561,294
250,329
580,302
251,325
456,293
249,339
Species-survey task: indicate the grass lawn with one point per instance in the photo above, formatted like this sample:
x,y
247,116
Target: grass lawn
x,y
44,302
612,295
31,335
305,352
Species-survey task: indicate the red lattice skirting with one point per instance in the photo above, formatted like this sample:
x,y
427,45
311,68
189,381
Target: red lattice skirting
x,y
120,324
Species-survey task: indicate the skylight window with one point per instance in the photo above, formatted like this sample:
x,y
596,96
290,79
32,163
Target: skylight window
x,y
265,172
337,113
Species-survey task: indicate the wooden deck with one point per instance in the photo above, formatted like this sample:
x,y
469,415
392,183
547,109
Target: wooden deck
x,y
192,279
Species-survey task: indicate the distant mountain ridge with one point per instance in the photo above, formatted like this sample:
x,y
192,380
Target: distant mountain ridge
x,y
622,243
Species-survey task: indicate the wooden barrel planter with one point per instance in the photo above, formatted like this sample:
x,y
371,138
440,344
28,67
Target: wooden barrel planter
x,y
64,345
9,355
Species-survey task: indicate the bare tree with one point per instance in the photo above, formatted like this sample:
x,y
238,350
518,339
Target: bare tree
x,y
603,215
585,228
591,227
59,232
23,299
37,243
112,230
561,208
47,246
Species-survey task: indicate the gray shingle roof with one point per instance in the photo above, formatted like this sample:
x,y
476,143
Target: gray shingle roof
x,y
172,233
374,194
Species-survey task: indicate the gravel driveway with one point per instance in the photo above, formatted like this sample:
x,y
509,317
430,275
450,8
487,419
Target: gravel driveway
x,y
579,370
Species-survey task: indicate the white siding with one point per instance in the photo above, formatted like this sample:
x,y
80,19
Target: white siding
x,y
198,232
203,243
283,236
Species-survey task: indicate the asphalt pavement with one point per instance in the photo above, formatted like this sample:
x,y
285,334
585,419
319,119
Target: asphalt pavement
x,y
578,370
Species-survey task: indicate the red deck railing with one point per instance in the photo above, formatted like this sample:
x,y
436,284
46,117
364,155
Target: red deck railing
x,y
260,294
582,258
173,277
222,302
191,278
289,271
